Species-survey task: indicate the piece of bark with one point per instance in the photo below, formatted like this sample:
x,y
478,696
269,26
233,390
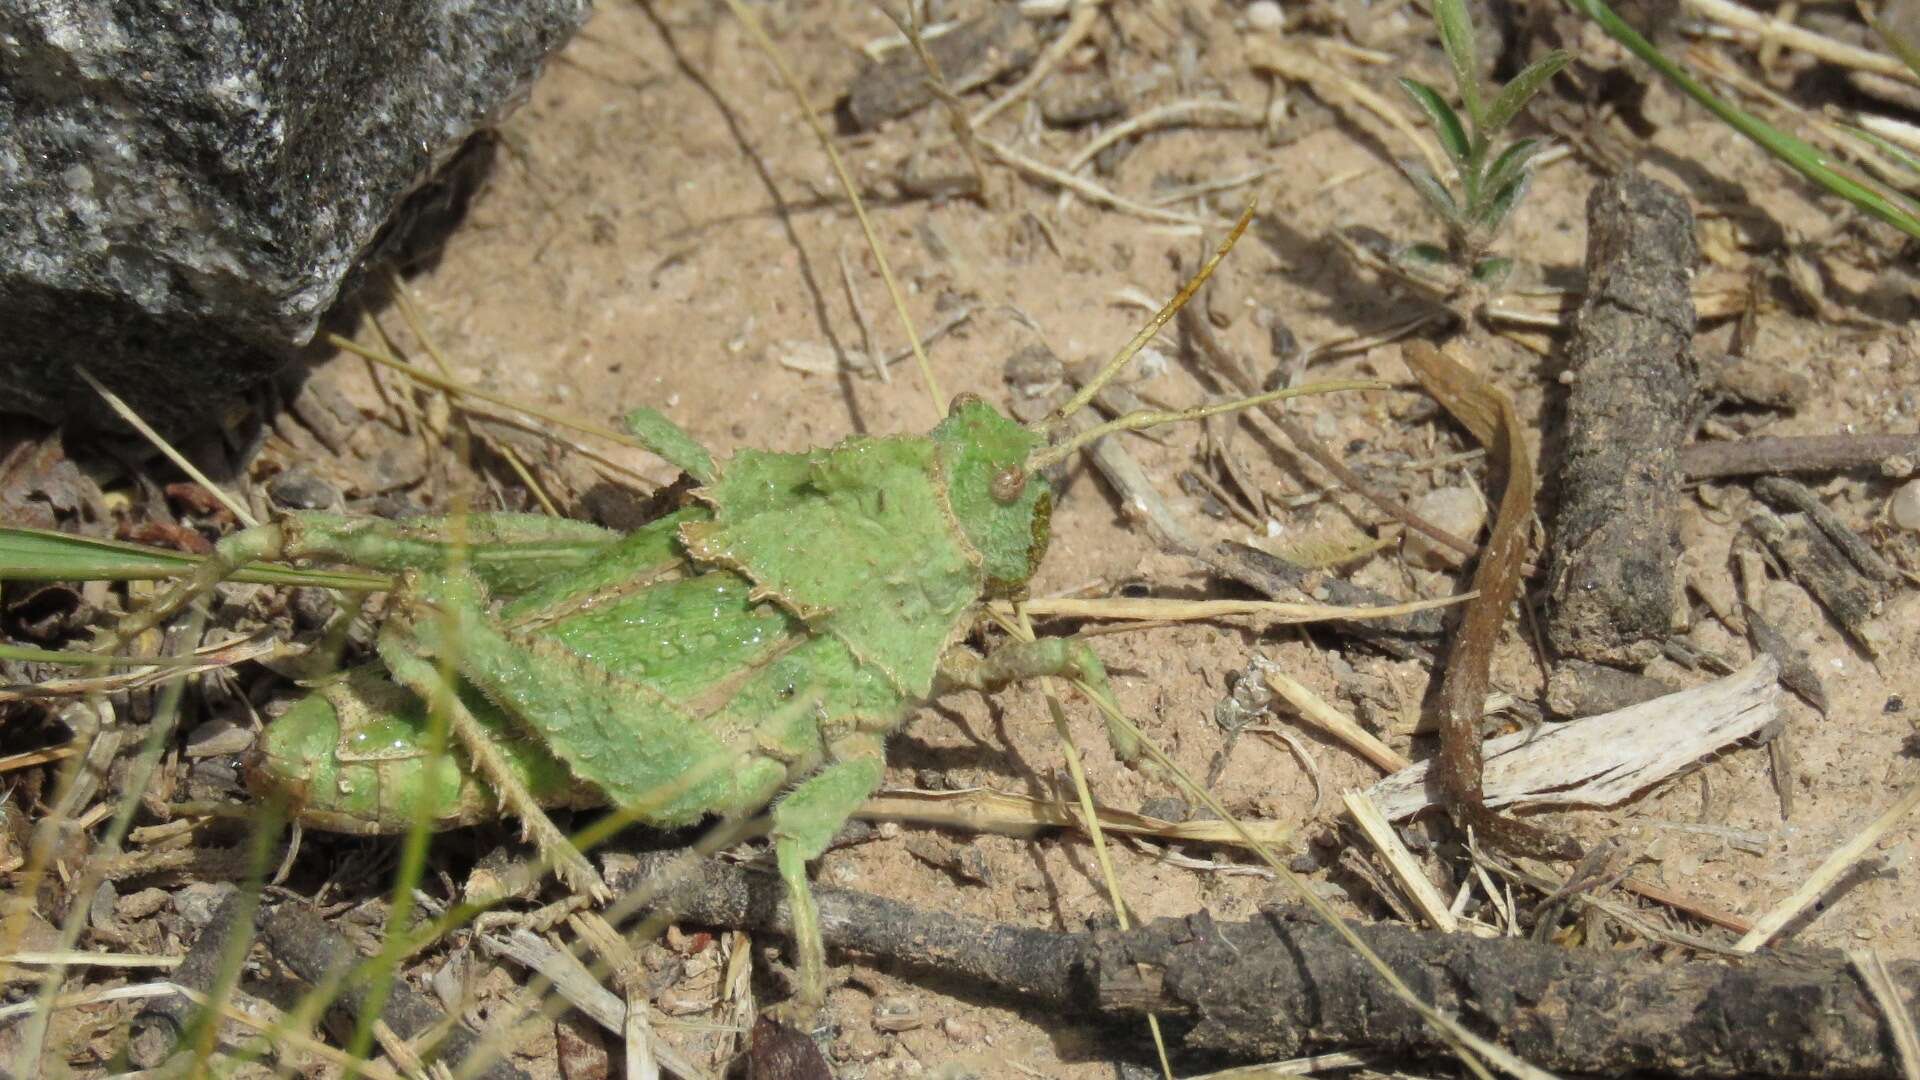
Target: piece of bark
x,y
1582,688
1797,672
1814,561
1786,495
1616,540
969,56
156,1030
1284,984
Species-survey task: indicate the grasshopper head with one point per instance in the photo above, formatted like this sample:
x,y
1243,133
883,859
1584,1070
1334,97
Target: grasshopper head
x,y
1002,507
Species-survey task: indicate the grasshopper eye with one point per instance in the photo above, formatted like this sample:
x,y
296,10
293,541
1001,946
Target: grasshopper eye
x,y
963,399
1007,484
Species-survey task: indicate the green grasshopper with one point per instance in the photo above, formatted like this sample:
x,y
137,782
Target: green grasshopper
x,y
753,647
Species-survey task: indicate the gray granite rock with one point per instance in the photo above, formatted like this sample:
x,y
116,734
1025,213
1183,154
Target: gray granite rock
x,y
186,186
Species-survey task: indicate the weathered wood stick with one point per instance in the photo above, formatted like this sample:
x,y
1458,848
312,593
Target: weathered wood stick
x,y
1281,986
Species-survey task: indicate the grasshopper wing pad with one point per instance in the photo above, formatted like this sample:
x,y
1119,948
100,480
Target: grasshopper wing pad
x,y
857,540
625,737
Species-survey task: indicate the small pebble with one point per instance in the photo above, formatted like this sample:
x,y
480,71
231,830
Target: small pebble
x,y
1265,16
896,1014
196,902
1904,507
1459,511
961,1031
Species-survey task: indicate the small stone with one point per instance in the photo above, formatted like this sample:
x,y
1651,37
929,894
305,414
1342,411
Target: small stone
x,y
960,1031
896,1014
219,737
1904,507
197,902
1265,16
140,905
298,489
859,1045
1458,510
1165,808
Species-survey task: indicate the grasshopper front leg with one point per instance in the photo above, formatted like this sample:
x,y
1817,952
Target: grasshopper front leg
x,y
1017,661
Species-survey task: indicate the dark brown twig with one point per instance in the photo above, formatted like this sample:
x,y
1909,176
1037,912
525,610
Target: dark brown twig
x,y
1794,454
1281,986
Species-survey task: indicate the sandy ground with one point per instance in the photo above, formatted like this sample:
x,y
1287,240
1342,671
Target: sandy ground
x,y
661,228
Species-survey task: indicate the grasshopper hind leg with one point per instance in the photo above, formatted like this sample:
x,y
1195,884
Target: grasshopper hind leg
x,y
404,662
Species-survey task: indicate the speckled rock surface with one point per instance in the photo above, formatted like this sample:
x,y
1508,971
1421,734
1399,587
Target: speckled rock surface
x,y
187,185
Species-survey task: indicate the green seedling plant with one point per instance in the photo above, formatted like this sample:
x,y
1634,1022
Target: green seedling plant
x,y
1490,176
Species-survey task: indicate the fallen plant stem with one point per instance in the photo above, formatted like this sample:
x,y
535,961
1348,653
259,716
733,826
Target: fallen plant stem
x,y
1282,985
1490,416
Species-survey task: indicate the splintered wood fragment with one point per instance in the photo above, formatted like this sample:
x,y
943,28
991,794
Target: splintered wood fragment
x,y
1817,563
573,981
1616,541
1602,760
1406,870
1829,872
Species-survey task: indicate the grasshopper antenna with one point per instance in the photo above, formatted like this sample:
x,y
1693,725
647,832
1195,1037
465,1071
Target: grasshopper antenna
x,y
792,83
1146,418
1160,319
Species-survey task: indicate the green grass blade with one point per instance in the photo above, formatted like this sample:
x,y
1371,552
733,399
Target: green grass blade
x,y
1456,36
42,555
1446,122
1902,185
1515,95
1791,150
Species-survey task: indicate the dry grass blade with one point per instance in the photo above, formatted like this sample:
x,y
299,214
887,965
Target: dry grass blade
x,y
987,811
1341,90
1828,872
1332,720
1275,611
1080,22
234,506
1406,871
1773,29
